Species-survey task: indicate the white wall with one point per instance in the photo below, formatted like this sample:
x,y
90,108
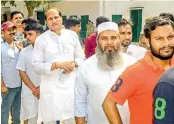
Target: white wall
x,y
117,8
109,8
91,8
106,7
20,7
151,8
155,8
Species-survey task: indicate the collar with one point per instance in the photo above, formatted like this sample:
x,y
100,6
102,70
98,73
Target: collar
x,y
149,61
10,46
129,48
61,31
31,46
19,34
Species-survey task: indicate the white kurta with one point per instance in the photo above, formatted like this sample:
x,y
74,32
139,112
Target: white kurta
x,y
56,89
136,51
91,88
29,103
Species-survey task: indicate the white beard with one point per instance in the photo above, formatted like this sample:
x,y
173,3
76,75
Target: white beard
x,y
108,61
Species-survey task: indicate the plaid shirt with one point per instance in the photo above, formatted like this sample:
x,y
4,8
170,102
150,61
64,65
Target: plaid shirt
x,y
20,37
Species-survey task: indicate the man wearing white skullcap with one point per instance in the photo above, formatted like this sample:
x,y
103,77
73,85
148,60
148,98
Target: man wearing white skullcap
x,y
96,76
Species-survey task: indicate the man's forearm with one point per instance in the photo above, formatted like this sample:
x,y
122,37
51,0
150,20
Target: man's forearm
x,y
111,111
80,120
4,89
26,80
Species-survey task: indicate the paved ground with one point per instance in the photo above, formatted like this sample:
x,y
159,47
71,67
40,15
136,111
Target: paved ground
x,y
9,121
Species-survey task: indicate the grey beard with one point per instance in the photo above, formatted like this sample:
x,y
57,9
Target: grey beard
x,y
108,61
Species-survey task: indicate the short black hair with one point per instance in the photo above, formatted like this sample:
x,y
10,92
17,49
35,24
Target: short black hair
x,y
60,13
167,16
101,19
124,22
154,22
28,21
35,27
16,12
72,21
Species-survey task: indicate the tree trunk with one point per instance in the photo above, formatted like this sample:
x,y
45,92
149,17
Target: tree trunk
x,y
30,11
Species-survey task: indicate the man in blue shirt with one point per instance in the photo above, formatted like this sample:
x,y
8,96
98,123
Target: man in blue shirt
x,y
10,80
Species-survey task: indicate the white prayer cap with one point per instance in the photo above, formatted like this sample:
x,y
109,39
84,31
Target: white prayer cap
x,y
107,26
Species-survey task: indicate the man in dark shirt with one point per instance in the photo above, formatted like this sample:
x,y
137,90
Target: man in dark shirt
x,y
164,99
163,92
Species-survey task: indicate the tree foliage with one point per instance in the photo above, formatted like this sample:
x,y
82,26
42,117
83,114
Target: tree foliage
x,y
12,2
31,5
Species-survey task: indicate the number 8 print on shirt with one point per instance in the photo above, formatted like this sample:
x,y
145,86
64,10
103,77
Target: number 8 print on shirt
x,y
160,105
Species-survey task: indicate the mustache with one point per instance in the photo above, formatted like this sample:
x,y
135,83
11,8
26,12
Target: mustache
x,y
169,47
54,24
111,46
126,40
12,34
172,46
19,21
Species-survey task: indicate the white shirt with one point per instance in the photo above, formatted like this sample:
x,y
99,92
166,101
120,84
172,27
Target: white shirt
x,y
9,58
56,89
91,88
29,103
136,51
25,64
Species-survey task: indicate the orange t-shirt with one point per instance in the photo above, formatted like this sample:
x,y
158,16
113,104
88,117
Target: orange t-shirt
x,y
136,84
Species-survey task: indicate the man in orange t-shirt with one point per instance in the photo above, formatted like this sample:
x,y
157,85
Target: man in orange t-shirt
x,y
137,82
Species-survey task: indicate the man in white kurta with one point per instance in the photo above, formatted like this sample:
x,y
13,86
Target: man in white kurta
x,y
31,80
136,51
56,54
93,80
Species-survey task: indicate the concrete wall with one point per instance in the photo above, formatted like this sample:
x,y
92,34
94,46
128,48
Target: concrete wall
x,y
91,8
109,8
151,8
20,7
96,8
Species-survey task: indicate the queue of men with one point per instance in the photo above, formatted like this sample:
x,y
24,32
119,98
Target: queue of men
x,y
47,79
133,85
